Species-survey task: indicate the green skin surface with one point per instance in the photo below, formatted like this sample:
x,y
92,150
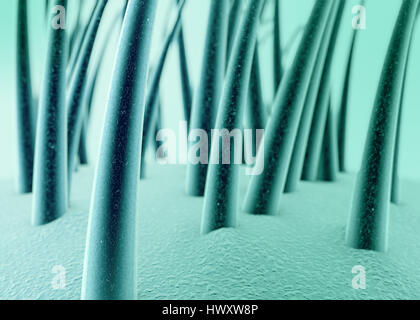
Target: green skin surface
x,y
369,216
298,254
265,189
50,168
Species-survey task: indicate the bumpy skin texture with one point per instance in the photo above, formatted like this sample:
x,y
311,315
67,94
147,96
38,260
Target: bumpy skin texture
x,y
369,216
298,254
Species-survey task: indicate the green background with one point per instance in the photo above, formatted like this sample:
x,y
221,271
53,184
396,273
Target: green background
x,y
370,53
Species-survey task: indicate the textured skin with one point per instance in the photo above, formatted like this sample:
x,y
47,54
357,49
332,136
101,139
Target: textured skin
x,y
298,254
